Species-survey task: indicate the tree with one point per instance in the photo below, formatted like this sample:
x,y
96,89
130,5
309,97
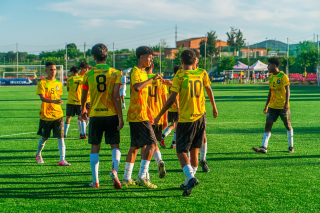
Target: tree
x,y
307,58
156,63
211,44
72,46
164,44
305,45
132,60
201,63
177,58
226,63
284,61
235,38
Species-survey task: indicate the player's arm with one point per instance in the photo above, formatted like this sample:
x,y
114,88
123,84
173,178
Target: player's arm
x,y
84,96
117,102
213,103
286,105
166,82
167,105
122,85
47,100
165,116
139,86
68,89
267,104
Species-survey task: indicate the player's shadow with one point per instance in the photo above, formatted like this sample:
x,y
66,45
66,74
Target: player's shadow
x,y
26,176
265,157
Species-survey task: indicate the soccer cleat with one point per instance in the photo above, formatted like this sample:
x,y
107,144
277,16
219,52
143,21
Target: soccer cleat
x,y
191,184
262,150
94,185
291,150
129,182
162,144
204,166
115,179
182,186
173,145
83,137
39,159
161,169
145,183
64,163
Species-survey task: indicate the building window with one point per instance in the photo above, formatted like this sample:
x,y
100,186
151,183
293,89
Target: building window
x,y
261,53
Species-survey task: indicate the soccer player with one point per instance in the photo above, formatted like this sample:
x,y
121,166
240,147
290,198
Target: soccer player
x,y
139,117
189,83
277,104
103,83
74,87
157,96
51,114
123,88
173,116
85,67
204,148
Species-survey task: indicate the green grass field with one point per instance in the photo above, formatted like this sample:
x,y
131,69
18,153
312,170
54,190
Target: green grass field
x,y
240,179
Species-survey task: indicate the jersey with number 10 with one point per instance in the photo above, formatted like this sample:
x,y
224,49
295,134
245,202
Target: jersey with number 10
x,y
100,82
190,86
74,83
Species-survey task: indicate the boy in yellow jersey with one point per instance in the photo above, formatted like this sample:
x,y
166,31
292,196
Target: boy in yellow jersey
x,y
103,83
157,96
173,116
51,115
139,116
189,83
74,87
277,105
84,67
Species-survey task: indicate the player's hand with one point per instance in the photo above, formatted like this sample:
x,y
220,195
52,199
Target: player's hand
x,y
121,123
58,101
84,114
156,121
157,76
286,107
165,125
215,113
265,111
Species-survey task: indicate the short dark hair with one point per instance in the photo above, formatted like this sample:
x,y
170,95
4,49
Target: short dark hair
x,y
50,63
84,65
176,68
120,70
275,61
188,57
196,52
143,50
100,51
74,69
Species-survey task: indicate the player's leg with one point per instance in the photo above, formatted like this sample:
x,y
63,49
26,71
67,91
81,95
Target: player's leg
x,y
173,145
203,154
83,124
157,154
96,127
112,137
285,117
123,102
66,126
272,117
44,131
57,127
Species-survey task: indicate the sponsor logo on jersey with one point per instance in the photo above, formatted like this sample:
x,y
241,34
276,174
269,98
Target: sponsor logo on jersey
x,y
101,109
278,81
57,88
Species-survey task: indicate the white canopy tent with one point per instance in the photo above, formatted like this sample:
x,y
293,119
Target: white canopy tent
x,y
259,67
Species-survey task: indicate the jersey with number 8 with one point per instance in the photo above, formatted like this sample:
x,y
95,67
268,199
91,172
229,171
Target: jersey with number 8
x,y
190,86
100,82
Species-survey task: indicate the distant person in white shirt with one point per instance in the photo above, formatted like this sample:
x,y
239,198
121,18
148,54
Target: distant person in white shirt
x,y
123,88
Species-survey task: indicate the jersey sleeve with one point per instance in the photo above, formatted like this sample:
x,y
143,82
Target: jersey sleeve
x,y
41,88
85,84
285,81
206,79
176,86
164,89
118,79
68,82
135,78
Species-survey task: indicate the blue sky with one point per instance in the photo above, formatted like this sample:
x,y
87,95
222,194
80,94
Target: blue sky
x,y
46,25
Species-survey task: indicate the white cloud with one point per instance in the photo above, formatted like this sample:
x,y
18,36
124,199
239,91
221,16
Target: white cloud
x,y
94,23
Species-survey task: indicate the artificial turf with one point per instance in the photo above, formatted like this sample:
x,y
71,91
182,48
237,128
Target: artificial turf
x,y
240,180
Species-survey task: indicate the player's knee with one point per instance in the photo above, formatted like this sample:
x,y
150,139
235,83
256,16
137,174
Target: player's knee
x,y
45,139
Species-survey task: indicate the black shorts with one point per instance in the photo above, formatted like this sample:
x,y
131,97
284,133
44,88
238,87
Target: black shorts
x,y
157,132
273,114
56,126
142,134
88,105
173,117
73,110
107,125
205,118
190,135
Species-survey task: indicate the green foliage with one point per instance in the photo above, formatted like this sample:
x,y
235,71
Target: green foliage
x,y
177,58
164,44
307,58
284,61
131,61
201,63
211,44
235,38
57,61
305,46
226,63
156,63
